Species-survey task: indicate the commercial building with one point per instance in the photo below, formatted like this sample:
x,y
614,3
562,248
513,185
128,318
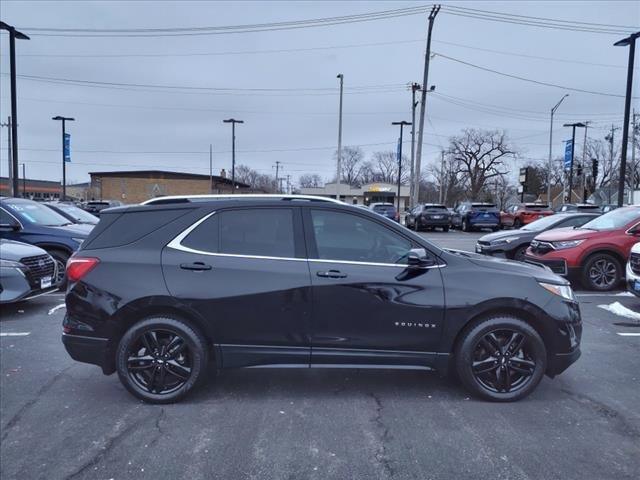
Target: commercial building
x,y
364,195
33,189
140,185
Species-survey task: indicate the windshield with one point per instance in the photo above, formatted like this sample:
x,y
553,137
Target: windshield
x,y
384,208
76,213
614,219
32,212
541,224
435,207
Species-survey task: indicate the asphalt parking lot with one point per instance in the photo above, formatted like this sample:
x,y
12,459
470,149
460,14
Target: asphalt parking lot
x,y
65,420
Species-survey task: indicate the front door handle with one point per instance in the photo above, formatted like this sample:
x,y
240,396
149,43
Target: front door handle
x,y
332,274
196,266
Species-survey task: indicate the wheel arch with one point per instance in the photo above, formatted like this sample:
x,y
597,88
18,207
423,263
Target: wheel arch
x,y
603,250
55,246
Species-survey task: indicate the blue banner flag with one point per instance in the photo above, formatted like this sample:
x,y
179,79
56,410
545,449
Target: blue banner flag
x,y
568,150
67,147
398,151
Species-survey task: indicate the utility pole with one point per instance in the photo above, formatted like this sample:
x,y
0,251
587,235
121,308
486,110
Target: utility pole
x,y
584,163
9,160
24,182
553,111
64,153
635,170
13,34
402,124
610,138
339,157
288,184
442,177
278,176
425,81
210,168
233,122
414,88
630,41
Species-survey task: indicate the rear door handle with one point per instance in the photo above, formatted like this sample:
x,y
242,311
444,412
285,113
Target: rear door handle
x,y
332,274
196,266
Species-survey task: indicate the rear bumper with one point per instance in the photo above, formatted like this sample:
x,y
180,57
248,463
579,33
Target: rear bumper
x,y
91,350
434,222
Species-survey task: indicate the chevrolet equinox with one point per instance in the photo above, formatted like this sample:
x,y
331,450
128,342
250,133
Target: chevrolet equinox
x,y
161,292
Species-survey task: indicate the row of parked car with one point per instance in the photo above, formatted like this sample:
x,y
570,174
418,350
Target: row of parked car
x,y
36,240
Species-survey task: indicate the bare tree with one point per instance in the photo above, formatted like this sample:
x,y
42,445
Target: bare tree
x,y
310,180
350,164
256,180
385,167
479,156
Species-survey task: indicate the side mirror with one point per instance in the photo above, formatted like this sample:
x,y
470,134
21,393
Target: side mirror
x,y
635,230
417,257
9,227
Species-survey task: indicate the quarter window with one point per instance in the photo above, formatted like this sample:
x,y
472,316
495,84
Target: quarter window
x,y
261,231
349,237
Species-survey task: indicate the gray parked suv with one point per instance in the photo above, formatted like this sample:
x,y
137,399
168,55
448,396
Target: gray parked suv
x,y
26,271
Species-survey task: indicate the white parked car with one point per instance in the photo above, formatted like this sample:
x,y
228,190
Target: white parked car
x,y
633,270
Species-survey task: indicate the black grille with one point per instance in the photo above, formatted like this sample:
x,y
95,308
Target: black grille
x,y
541,247
634,262
38,267
484,243
556,266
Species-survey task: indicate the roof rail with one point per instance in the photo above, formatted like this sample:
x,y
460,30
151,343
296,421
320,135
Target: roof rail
x,y
200,198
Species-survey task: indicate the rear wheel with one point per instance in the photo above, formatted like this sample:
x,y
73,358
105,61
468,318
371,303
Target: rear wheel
x,y
445,229
517,223
519,253
601,272
161,359
501,358
465,225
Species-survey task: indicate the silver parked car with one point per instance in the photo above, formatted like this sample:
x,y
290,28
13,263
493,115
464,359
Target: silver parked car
x,y
26,271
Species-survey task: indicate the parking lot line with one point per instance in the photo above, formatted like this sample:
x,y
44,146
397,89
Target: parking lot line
x,y
629,334
56,308
14,334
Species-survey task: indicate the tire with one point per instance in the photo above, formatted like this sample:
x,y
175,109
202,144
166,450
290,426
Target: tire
x,y
445,229
517,368
519,253
60,257
601,272
158,376
495,229
517,223
465,225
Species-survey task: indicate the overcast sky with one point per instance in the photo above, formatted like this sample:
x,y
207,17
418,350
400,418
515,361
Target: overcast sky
x,y
297,127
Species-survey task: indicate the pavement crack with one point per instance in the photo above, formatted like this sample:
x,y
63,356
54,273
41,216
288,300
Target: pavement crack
x,y
606,412
13,421
109,444
161,416
381,455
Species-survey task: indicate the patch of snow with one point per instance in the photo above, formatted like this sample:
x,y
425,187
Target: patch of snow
x,y
618,309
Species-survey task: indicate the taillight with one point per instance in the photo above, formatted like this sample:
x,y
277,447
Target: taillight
x,y
78,267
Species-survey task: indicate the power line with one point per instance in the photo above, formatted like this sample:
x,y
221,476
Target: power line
x,y
226,29
537,82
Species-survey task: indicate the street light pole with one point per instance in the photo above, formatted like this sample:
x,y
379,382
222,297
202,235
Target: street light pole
x,y
414,88
64,162
402,124
630,41
553,111
573,151
233,122
584,163
13,34
339,157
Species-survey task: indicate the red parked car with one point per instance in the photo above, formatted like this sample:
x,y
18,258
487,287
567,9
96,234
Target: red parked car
x,y
520,214
595,253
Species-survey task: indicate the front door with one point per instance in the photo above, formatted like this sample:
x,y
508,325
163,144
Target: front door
x,y
369,307
245,272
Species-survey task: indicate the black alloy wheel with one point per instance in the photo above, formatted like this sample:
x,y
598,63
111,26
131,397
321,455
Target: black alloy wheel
x,y
602,272
520,253
161,359
501,359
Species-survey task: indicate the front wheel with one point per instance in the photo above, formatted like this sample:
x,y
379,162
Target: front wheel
x,y
501,359
445,229
601,272
517,223
161,359
60,258
465,225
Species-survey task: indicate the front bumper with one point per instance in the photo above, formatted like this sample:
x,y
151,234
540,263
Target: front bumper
x,y
633,281
15,286
91,350
559,362
556,265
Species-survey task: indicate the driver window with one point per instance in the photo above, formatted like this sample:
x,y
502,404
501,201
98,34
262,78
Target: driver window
x,y
349,237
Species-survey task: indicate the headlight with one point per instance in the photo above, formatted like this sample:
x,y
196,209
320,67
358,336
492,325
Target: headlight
x,y
500,241
79,240
10,264
566,244
563,291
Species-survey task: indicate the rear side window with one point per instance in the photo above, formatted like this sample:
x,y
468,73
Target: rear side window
x,y
262,232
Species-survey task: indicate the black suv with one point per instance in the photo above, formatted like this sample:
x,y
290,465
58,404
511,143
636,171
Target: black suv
x,y
159,292
429,215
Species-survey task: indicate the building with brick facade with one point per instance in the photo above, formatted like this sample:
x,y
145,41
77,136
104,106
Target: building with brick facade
x,y
33,189
140,185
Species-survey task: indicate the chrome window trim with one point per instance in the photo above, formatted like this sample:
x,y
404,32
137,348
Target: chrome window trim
x,y
176,244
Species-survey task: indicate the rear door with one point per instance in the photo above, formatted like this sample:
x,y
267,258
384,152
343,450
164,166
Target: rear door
x,y
245,271
368,307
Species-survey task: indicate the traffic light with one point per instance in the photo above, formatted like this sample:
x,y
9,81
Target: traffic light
x,y
594,168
